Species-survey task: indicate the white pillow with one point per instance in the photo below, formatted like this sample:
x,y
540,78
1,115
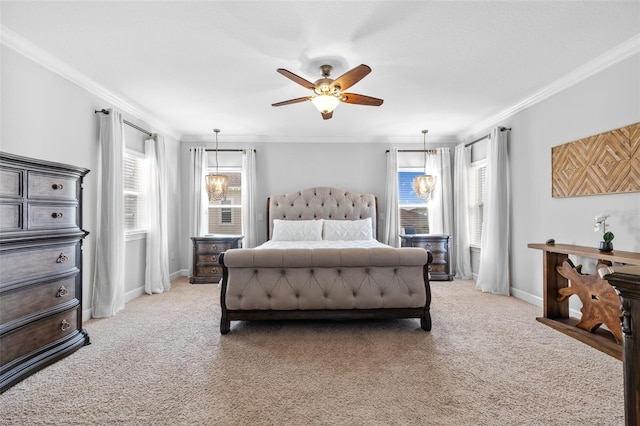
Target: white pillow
x,y
297,230
348,230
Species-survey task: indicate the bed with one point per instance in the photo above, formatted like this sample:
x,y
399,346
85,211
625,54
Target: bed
x,y
323,261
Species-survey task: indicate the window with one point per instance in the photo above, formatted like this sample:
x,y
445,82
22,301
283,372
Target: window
x,y
135,172
477,181
225,216
414,212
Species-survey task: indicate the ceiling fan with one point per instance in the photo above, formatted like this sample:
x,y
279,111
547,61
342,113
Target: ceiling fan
x,y
328,93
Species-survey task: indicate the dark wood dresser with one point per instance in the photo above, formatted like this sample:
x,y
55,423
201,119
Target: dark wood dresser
x,y
40,265
206,251
438,245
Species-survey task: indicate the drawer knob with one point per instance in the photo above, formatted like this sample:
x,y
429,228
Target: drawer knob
x,y
214,271
62,258
64,326
56,215
214,257
57,186
62,291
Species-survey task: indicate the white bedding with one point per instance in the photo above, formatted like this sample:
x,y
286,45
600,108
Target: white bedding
x,y
321,244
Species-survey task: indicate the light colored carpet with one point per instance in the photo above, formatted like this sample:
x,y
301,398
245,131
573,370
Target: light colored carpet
x,y
162,361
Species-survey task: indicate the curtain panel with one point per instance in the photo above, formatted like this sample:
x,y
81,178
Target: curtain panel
x,y
249,213
462,254
157,278
391,234
109,276
198,206
493,273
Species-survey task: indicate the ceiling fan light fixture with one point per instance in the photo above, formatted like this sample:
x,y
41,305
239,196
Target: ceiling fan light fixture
x,y
325,103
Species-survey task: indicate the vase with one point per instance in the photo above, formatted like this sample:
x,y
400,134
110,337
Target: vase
x,y
605,246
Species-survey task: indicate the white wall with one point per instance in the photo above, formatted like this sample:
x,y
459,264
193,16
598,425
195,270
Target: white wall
x,y
45,116
289,167
603,102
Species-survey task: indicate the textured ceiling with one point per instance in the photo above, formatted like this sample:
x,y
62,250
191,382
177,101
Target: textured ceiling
x,y
442,65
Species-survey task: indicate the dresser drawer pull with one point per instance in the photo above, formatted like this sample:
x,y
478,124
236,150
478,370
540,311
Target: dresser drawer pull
x,y
214,257
427,245
56,215
62,258
62,291
57,186
64,326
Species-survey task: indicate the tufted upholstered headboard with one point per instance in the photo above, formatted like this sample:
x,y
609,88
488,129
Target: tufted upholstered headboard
x,y
322,203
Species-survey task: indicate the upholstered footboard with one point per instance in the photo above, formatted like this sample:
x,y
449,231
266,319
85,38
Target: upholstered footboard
x,y
325,283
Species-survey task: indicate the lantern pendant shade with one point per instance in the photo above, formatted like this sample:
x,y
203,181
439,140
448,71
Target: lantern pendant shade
x,y
424,186
217,186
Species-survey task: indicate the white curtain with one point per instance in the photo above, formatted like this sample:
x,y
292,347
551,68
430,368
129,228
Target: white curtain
x,y
157,271
461,253
441,204
249,214
109,276
391,232
198,206
493,273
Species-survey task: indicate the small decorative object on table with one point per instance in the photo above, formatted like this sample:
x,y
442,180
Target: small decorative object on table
x,y
607,236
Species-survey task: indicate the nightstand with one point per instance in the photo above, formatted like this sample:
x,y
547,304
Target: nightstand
x,y
438,245
206,251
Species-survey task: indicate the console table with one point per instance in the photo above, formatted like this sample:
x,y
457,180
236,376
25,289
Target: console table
x,y
556,312
627,281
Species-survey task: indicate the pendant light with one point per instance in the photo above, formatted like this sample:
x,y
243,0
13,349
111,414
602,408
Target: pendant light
x,y
424,185
217,185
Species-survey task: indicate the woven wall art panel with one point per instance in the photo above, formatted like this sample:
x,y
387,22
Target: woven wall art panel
x,y
607,163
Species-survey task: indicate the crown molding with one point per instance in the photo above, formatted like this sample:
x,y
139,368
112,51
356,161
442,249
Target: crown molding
x,y
16,42
619,53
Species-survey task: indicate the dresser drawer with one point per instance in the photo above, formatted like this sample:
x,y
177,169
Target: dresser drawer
x,y
52,216
208,271
10,217
24,264
204,247
10,183
30,299
35,335
208,258
51,187
438,268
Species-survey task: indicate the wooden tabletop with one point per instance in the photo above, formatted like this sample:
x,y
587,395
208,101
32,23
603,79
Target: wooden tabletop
x,y
591,252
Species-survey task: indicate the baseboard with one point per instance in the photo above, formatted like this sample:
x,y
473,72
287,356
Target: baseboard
x,y
537,301
179,273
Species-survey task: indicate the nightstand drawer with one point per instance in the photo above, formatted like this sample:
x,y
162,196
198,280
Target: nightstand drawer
x,y
208,271
51,187
208,258
28,299
35,335
52,216
204,247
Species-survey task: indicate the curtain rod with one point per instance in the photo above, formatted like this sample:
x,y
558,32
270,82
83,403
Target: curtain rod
x,y
428,151
227,150
502,129
104,111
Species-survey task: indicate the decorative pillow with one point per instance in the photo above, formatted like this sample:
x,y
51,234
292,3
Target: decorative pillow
x,y
297,230
348,230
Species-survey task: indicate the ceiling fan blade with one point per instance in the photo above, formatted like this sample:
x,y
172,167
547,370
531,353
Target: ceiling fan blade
x,y
353,98
296,78
352,76
292,101
327,115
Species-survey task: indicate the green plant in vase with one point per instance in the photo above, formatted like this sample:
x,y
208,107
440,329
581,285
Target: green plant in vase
x,y
606,244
